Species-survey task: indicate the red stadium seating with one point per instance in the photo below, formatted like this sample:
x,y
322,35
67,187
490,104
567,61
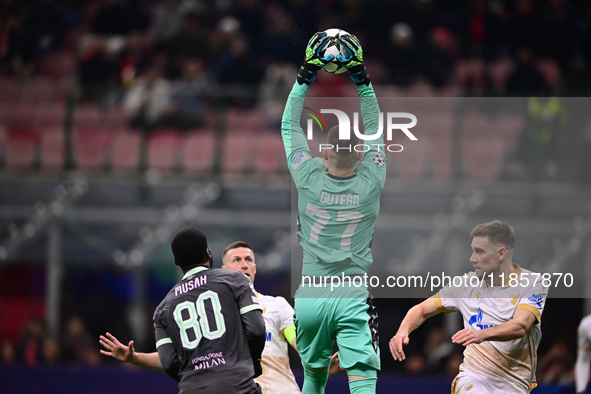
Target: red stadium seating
x,y
52,149
91,147
199,151
270,154
126,151
550,70
163,149
22,148
50,115
500,70
88,117
238,151
18,114
59,65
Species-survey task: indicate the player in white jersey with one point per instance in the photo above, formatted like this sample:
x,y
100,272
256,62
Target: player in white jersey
x,y
583,355
501,305
278,314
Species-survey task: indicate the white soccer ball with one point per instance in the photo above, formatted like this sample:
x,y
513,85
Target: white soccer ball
x,y
334,47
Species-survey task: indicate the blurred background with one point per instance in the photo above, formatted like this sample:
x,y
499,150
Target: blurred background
x,y
124,121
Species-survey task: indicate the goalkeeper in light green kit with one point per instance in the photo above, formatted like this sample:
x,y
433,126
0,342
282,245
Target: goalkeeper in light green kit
x,y
338,203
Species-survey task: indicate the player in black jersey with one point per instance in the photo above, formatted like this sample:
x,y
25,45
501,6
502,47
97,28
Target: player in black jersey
x,y
210,331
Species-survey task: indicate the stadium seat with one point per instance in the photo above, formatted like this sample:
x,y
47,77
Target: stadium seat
x,y
126,151
164,149
59,65
88,117
3,143
269,154
91,147
483,156
238,150
550,70
22,147
199,151
50,116
18,114
237,121
116,118
9,89
52,149
499,71
510,127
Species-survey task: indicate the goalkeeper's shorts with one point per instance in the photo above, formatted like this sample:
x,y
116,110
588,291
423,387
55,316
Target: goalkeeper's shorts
x,y
352,322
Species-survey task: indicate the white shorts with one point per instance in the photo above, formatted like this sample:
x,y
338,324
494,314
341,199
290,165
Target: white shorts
x,y
470,383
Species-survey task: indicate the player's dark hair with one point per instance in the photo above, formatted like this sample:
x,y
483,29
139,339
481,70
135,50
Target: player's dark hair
x,y
498,232
234,245
344,148
189,248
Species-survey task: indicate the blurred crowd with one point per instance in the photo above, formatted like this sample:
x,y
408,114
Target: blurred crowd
x,y
435,355
237,41
36,346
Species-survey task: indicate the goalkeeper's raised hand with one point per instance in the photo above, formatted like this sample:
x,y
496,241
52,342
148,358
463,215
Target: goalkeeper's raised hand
x,y
353,59
313,61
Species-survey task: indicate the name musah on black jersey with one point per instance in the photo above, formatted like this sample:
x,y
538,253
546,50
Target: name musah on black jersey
x,y
201,317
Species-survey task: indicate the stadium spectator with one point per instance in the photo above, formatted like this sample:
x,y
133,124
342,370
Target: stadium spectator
x,y
240,67
402,55
275,87
477,81
556,366
113,19
526,79
7,352
135,56
95,69
30,348
167,19
190,42
437,349
45,27
78,348
438,58
12,13
51,351
148,99
187,103
281,37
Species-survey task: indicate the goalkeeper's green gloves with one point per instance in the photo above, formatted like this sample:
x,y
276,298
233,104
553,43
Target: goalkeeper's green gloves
x,y
353,59
313,60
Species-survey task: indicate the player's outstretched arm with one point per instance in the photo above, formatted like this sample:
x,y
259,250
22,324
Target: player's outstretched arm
x,y
413,319
127,354
254,328
294,140
508,331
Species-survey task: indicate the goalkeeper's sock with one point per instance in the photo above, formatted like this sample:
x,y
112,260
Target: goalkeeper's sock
x,y
363,386
314,382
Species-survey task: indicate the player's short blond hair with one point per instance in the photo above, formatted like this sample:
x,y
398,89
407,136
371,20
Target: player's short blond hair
x,y
498,233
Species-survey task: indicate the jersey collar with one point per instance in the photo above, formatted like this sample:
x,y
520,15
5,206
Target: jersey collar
x,y
518,271
193,271
341,178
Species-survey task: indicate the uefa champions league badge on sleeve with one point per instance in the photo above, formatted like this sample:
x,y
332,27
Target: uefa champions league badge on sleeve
x,y
379,160
298,159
